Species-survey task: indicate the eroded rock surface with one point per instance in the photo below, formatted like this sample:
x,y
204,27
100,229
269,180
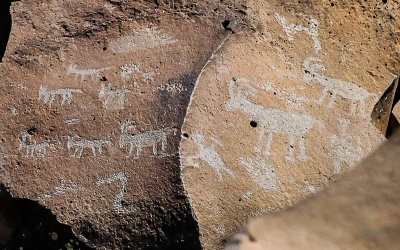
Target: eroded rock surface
x,y
279,113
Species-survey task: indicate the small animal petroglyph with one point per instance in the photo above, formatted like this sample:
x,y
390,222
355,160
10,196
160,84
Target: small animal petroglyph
x,y
72,121
261,172
347,90
271,120
146,38
345,148
208,153
83,73
35,149
119,204
146,139
128,70
80,144
113,98
172,88
64,188
50,95
292,29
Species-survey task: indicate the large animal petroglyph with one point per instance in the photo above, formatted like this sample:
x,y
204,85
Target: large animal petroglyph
x,y
49,96
345,148
348,90
83,73
113,98
272,121
145,139
292,29
119,204
262,172
209,154
80,144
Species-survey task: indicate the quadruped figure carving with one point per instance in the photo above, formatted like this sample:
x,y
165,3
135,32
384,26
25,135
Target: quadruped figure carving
x,y
49,96
80,144
145,139
113,98
35,149
271,120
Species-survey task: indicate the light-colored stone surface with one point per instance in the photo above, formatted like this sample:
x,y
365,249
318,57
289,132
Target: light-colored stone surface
x,y
308,77
360,211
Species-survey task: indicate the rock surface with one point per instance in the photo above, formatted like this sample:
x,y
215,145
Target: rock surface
x,y
277,114
360,211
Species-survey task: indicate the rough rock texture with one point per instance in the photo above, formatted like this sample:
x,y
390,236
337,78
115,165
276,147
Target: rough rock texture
x,y
93,97
279,112
360,211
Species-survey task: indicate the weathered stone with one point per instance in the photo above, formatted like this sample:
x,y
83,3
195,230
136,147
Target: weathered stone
x,y
360,211
93,97
277,114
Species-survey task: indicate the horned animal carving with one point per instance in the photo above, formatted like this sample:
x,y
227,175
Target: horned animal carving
x,y
272,121
146,139
348,90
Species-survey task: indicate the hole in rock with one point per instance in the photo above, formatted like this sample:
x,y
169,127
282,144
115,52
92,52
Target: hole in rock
x,y
253,124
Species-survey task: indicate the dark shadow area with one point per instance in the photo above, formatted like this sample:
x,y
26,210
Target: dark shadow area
x,y
24,224
5,25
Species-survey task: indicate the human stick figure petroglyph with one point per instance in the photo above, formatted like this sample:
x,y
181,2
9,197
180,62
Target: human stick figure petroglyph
x,y
80,144
145,139
292,29
208,153
348,90
50,95
113,98
261,172
35,149
83,73
271,120
119,204
346,148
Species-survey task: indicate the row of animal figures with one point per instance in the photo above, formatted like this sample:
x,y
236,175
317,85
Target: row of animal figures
x,y
151,138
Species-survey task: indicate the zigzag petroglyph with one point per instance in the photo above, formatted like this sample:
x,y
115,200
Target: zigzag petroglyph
x,y
145,139
80,144
50,95
271,120
348,90
209,154
119,204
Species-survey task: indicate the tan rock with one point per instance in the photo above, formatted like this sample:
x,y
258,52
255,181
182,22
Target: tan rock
x,y
277,114
360,211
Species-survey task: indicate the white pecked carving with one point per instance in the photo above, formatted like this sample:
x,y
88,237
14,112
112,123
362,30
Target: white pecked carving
x,y
113,98
49,96
35,149
83,73
80,144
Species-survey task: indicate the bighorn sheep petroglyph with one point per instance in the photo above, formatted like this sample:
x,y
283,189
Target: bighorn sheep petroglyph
x,y
348,90
146,139
271,120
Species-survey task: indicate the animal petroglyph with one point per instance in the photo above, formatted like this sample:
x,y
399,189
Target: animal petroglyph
x,y
119,204
261,172
271,120
64,188
80,144
292,29
83,73
145,139
72,121
347,90
209,154
146,38
113,98
172,88
35,149
49,96
128,70
345,148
